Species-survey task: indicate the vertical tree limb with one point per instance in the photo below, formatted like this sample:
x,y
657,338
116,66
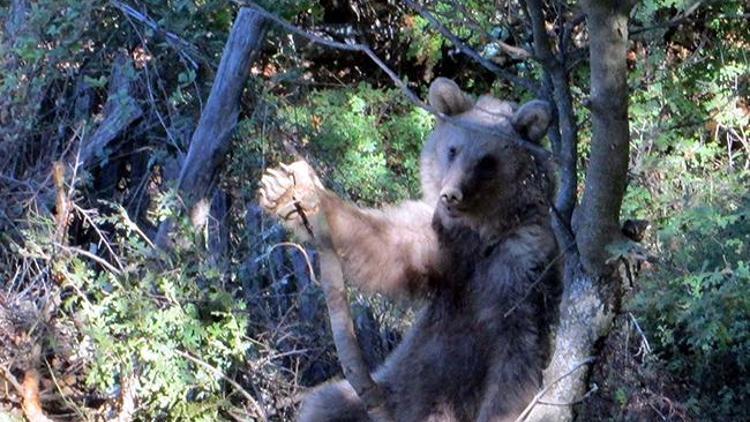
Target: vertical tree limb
x,y
212,137
590,289
608,163
557,78
348,349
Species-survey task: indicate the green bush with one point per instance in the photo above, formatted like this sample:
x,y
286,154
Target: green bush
x,y
166,321
367,139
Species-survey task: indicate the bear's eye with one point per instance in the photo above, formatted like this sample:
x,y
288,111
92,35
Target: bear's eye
x,y
486,166
452,153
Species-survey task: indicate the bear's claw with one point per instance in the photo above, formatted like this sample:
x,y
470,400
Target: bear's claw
x,y
285,190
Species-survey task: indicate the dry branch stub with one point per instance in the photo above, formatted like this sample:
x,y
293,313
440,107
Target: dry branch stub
x,y
211,138
120,111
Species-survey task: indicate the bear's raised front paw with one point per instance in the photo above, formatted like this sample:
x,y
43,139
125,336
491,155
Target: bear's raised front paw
x,y
289,188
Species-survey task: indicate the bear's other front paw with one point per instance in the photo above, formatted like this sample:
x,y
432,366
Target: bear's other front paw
x,y
288,189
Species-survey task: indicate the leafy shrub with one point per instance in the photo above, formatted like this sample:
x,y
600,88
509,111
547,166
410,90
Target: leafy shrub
x,y
170,324
690,179
698,309
368,139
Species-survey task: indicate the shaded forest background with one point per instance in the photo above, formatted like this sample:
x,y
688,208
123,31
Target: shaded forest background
x,y
98,102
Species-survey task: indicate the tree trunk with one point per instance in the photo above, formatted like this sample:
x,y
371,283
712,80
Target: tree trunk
x,y
608,164
212,137
591,289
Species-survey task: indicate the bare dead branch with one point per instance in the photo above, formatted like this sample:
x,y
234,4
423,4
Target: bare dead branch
x,y
348,350
302,251
62,204
211,138
120,110
471,53
638,329
588,394
184,48
85,215
339,46
89,255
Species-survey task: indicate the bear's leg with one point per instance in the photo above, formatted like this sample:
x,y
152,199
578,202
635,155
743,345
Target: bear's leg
x,y
333,402
512,381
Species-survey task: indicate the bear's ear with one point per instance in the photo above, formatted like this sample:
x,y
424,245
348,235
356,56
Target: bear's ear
x,y
448,98
532,120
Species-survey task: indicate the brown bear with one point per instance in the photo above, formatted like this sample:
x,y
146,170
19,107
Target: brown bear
x,y
477,250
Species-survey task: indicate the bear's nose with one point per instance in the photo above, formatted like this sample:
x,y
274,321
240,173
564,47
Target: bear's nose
x,y
451,196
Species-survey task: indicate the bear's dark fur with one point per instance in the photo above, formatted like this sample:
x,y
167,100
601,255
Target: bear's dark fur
x,y
478,250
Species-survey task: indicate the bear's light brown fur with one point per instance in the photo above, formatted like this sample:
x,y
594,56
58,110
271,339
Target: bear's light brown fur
x,y
477,249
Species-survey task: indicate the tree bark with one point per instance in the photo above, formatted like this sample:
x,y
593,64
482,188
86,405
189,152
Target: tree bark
x,y
557,77
212,137
120,111
585,317
606,174
591,291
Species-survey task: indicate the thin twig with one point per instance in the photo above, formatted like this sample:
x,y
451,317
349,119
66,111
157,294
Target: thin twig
x,y
302,250
91,256
8,376
682,17
588,394
131,225
67,400
638,329
260,411
471,53
513,51
86,217
171,38
547,387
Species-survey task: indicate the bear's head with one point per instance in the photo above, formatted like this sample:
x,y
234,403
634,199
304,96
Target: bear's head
x,y
472,170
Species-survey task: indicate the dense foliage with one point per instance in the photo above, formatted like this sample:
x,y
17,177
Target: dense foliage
x,y
229,321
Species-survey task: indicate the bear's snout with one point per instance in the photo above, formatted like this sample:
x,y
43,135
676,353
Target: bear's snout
x,y
451,195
